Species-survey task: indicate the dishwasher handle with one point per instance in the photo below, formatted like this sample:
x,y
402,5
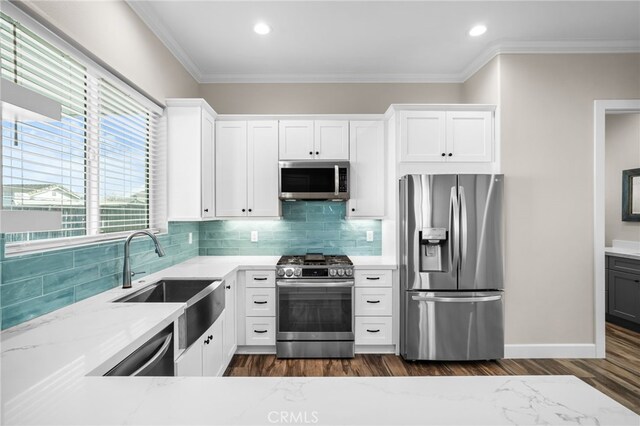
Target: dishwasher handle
x,y
156,357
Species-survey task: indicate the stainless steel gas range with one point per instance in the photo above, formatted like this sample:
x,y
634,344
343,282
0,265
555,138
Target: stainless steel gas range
x,y
314,305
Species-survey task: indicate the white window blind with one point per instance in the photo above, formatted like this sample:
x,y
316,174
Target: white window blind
x,y
96,164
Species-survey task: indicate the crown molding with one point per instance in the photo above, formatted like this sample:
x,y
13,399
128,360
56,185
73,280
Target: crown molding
x,y
146,14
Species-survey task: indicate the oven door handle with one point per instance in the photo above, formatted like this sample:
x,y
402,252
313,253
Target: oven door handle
x,y
311,283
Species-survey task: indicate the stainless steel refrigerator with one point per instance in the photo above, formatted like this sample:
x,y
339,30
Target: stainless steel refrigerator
x,y
451,267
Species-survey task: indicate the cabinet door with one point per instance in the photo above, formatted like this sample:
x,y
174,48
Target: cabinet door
x,y
422,136
212,352
469,136
208,163
231,168
366,180
296,140
624,296
331,141
230,335
262,169
190,362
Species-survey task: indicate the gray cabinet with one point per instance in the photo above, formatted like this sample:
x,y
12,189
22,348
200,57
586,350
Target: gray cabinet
x,y
622,291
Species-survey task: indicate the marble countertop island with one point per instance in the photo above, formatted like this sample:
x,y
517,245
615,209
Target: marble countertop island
x,y
51,375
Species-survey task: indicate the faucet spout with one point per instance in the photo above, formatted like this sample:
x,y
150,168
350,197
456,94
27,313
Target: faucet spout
x,y
126,270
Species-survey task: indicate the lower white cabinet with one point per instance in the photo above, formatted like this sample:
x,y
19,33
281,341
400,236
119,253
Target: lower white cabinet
x,y
260,331
374,330
230,337
205,357
373,307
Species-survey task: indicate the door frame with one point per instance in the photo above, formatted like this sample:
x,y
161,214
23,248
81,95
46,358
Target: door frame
x,y
600,110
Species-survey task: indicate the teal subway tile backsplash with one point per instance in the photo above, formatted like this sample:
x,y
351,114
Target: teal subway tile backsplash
x,y
35,284
306,226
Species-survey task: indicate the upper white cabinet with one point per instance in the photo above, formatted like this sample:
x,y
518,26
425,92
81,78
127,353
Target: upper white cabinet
x,y
452,136
366,169
190,159
314,140
247,169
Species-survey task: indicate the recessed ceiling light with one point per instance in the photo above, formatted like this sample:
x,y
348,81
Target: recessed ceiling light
x,y
262,28
478,30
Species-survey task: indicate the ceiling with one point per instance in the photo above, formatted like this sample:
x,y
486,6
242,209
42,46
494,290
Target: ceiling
x,y
378,41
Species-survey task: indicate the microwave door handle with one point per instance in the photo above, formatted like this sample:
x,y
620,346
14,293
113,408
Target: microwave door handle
x,y
337,180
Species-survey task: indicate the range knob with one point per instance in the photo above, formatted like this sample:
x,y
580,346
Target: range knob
x,y
348,272
280,272
297,272
332,272
289,272
340,272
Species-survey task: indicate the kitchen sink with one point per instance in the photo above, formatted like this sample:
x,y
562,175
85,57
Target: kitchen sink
x,y
204,299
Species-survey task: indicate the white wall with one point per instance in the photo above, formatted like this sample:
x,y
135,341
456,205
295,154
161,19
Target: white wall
x,y
547,158
622,152
111,31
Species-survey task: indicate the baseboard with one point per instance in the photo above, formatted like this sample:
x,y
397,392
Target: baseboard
x,y
255,350
577,350
375,349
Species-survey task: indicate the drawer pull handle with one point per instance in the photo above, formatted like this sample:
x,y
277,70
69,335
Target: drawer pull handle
x,y
373,278
261,302
259,278
373,301
260,331
373,331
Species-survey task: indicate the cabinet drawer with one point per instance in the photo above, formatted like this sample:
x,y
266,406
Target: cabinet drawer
x,y
260,331
372,278
261,279
373,330
260,302
624,265
375,301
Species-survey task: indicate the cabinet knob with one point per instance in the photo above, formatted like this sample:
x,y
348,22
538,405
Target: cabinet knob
x,y
228,287
317,152
249,210
310,152
353,210
206,342
450,154
206,210
243,210
443,154
210,337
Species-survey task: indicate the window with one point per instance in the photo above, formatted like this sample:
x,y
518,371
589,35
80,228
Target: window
x,y
95,165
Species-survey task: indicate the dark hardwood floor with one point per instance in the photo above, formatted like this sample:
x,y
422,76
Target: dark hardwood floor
x,y
618,375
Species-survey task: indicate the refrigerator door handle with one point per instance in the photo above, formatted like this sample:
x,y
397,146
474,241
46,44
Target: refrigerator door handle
x,y
454,237
455,299
463,229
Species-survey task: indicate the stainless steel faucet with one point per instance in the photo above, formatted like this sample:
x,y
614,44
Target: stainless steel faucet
x,y
126,272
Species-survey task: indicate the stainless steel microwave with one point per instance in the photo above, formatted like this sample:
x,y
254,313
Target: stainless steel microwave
x,y
314,180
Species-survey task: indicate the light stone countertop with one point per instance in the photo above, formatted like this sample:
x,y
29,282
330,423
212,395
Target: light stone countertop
x,y
629,253
47,366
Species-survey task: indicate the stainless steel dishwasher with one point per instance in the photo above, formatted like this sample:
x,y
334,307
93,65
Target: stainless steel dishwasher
x,y
153,358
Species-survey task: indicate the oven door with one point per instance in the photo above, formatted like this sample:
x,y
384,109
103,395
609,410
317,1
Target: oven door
x,y
316,309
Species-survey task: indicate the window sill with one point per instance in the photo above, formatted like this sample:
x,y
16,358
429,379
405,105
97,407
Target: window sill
x,y
43,246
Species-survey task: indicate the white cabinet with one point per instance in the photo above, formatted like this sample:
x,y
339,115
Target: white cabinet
x,y
205,356
446,136
260,308
213,359
373,307
314,140
190,159
230,327
331,141
366,169
247,169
